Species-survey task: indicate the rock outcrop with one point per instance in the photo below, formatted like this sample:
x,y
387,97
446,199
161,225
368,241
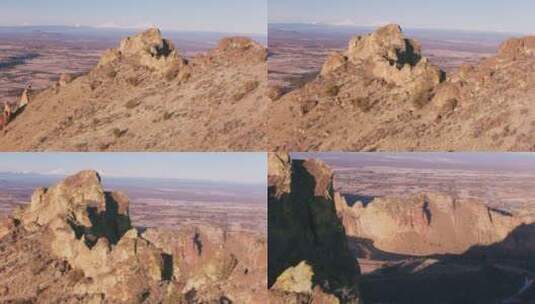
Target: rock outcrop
x,y
426,224
308,252
381,93
74,243
147,49
144,95
389,56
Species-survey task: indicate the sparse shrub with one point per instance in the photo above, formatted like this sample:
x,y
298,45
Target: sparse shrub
x,y
450,105
172,73
118,132
133,81
308,106
131,104
111,73
168,115
362,103
274,93
331,90
246,89
94,84
420,99
185,76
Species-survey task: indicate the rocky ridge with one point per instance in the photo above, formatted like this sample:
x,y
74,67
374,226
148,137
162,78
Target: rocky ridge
x,y
309,260
383,94
428,224
74,243
144,95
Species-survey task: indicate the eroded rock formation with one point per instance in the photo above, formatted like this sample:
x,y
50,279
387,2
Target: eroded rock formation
x,y
74,243
309,259
427,224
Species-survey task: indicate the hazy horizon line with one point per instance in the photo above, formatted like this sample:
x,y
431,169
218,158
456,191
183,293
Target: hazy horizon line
x,y
129,28
342,25
107,175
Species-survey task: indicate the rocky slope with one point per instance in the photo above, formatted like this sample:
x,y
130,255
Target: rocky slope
x,y
309,260
428,224
382,94
74,243
145,96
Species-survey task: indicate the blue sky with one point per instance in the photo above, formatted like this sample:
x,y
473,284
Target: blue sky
x,y
236,16
488,15
227,167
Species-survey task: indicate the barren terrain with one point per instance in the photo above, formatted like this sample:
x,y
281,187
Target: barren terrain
x,y
382,93
39,55
146,94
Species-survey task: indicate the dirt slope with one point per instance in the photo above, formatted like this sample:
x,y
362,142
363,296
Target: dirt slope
x,y
145,96
382,94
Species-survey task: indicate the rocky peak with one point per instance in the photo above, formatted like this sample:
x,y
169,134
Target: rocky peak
x,y
240,48
517,47
386,43
148,49
386,54
279,173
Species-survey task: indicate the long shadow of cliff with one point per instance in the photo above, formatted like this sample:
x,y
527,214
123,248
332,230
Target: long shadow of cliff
x,y
352,199
483,274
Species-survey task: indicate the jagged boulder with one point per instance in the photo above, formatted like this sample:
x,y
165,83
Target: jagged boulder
x,y
147,49
304,227
386,54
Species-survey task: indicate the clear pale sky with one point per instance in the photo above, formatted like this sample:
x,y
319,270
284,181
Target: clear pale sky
x,y
233,16
226,167
486,15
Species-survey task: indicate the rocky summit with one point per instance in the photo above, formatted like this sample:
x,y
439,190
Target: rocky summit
x,y
382,94
144,95
75,243
309,259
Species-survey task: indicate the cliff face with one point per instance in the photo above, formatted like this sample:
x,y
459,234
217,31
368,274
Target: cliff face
x,y
308,252
74,243
427,224
381,93
144,95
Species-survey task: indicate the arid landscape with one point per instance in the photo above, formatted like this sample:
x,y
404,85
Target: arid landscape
x,y
396,90
298,51
96,90
38,55
417,226
162,203
75,242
